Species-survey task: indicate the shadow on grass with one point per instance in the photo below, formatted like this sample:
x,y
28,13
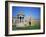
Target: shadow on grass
x,y
26,28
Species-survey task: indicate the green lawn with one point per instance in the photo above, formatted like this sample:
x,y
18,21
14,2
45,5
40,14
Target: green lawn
x,y
36,26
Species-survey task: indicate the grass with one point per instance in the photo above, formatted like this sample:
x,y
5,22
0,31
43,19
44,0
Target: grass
x,y
35,26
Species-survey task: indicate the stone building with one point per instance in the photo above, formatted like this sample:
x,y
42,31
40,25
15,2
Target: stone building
x,y
20,20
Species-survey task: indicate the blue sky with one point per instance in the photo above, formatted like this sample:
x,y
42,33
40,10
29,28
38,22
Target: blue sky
x,y
34,12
